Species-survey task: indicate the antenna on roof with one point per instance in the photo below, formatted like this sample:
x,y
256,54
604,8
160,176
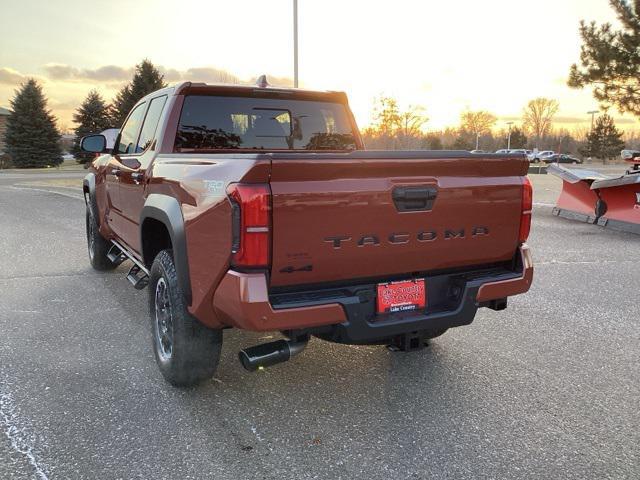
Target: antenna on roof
x,y
262,81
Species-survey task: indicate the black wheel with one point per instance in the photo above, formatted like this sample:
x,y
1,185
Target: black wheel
x,y
537,160
186,351
98,247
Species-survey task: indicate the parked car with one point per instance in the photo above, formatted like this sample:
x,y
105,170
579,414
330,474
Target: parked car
x,y
540,156
478,151
522,151
504,151
258,208
530,155
562,158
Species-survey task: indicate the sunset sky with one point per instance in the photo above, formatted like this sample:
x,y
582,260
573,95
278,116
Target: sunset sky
x,y
444,55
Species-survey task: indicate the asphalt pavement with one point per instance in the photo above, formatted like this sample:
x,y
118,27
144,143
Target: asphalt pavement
x,y
549,388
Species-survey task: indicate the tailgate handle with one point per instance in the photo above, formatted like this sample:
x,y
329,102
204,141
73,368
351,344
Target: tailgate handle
x,y
414,199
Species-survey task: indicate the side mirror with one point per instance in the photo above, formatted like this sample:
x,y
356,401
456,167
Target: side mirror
x,y
94,143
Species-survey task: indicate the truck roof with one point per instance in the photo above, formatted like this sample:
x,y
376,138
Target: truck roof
x,y
196,88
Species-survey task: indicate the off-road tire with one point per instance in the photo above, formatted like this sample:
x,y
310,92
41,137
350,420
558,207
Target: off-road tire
x,y
97,245
187,352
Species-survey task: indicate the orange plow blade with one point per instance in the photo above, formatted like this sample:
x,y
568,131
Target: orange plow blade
x,y
622,199
588,196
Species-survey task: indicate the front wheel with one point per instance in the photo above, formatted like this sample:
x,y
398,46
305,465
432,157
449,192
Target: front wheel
x,y
186,351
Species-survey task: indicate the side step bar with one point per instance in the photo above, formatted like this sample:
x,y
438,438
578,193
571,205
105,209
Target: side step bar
x,y
138,274
116,256
138,278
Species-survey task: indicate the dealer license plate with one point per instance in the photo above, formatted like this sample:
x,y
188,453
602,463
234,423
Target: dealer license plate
x,y
401,296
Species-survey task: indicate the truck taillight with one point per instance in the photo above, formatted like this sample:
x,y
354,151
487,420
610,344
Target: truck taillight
x,y
527,205
251,224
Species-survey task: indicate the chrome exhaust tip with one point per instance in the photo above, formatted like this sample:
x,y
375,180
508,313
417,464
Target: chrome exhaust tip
x,y
272,353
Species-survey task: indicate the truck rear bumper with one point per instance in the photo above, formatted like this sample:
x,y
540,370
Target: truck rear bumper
x,y
242,300
347,314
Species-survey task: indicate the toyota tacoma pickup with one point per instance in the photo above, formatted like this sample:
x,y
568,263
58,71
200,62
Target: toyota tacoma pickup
x,y
259,208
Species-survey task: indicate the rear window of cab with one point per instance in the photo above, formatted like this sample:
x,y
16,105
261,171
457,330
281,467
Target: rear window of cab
x,y
247,123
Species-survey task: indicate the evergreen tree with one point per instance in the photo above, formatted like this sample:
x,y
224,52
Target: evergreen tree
x,y
32,137
605,140
610,59
92,117
146,79
464,141
518,138
432,141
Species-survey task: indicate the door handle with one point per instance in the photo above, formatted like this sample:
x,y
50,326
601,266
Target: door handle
x,y
414,199
137,176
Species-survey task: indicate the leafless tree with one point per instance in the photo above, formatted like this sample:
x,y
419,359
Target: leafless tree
x,y
538,116
395,128
478,123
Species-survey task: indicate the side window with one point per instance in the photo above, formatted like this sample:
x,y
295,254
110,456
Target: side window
x,y
130,130
150,123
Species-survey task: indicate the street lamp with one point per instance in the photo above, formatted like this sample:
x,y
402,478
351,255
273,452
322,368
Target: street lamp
x,y
592,113
295,43
509,136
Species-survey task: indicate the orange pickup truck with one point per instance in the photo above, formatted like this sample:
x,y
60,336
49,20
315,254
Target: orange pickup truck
x,y
259,208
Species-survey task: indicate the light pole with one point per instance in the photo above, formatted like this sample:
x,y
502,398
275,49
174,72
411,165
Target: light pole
x,y
477,140
295,43
509,136
592,113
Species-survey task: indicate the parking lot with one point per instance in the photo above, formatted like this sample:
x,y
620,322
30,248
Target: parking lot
x,y
548,388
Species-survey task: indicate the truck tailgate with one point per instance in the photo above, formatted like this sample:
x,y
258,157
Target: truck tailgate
x,y
342,217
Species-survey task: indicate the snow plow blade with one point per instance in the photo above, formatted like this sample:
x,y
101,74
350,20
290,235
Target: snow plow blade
x,y
588,196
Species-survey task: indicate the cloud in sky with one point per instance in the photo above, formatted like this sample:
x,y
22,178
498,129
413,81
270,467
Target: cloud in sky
x,y
115,73
107,73
66,85
9,76
199,74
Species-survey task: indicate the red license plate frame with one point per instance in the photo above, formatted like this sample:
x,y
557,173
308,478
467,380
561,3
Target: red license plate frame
x,y
401,296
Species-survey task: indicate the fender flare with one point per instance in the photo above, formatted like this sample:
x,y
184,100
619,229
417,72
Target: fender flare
x,y
89,186
167,210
